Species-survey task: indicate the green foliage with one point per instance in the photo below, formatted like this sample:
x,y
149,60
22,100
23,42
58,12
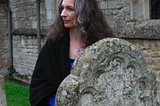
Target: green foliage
x,y
17,95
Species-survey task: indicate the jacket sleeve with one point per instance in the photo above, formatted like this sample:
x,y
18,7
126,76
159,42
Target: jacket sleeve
x,y
43,82
51,68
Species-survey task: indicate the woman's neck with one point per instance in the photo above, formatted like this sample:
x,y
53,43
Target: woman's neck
x,y
73,35
75,39
76,44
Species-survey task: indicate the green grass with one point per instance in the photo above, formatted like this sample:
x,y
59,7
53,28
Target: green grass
x,y
17,95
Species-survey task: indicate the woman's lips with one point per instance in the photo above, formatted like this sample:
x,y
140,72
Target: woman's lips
x,y
66,21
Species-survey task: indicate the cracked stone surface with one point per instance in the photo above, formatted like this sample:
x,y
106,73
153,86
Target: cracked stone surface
x,y
111,72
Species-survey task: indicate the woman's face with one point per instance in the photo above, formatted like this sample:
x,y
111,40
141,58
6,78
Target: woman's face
x,y
68,13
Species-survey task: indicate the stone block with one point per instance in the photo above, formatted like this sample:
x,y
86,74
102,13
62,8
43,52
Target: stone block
x,y
111,72
3,101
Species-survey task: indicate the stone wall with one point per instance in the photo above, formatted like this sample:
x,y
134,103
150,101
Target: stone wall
x,y
151,50
24,15
128,18
25,52
3,41
25,44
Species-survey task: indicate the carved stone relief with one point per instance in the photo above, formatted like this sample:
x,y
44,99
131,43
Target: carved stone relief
x,y
111,72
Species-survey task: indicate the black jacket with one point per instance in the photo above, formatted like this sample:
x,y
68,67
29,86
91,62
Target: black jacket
x,y
51,68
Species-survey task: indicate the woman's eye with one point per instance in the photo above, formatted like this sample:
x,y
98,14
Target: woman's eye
x,y
71,9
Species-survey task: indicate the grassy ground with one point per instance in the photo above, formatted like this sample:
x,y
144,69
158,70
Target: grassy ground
x,y
17,95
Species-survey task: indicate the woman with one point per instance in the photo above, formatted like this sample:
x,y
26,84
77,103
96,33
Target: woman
x,y
79,24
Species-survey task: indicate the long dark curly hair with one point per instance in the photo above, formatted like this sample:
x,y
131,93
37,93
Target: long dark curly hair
x,y
90,23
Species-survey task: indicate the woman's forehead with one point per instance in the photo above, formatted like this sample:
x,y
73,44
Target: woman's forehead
x,y
68,2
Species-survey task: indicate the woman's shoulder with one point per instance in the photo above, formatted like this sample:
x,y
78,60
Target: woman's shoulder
x,y
56,41
50,44
51,41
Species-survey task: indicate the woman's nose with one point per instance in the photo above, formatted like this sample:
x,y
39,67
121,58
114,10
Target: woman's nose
x,y
63,13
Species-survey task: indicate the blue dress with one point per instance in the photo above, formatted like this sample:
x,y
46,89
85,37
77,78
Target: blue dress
x,y
51,100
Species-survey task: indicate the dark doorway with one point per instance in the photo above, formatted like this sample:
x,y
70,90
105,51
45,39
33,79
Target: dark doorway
x,y
155,9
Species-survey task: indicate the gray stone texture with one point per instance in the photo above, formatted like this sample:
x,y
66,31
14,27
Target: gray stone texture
x,y
111,72
151,50
24,24
24,15
130,18
25,55
3,101
3,41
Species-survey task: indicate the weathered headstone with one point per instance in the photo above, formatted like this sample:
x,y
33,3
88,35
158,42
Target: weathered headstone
x,y
3,101
111,72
